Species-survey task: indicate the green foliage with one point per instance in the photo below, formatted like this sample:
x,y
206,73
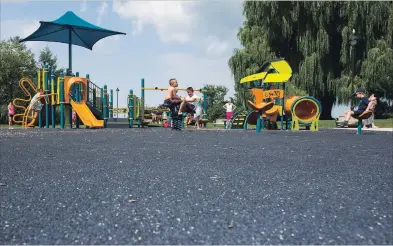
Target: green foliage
x,y
16,61
215,96
377,70
48,58
314,38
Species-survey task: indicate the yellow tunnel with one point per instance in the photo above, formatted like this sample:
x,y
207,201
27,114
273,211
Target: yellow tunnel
x,y
305,108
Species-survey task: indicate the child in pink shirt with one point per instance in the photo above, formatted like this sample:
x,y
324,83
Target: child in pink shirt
x,y
11,113
73,117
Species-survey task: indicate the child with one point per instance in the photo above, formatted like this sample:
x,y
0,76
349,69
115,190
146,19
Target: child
x,y
35,103
11,113
369,123
188,119
230,108
196,101
172,98
73,117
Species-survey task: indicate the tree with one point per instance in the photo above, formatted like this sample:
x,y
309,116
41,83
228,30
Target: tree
x,y
48,58
16,61
314,38
215,100
376,74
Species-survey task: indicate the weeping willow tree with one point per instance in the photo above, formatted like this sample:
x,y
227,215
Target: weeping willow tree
x,y
314,38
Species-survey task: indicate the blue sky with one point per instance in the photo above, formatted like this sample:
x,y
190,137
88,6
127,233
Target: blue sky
x,y
189,40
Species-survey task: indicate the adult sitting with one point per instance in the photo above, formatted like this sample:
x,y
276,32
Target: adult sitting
x,y
360,108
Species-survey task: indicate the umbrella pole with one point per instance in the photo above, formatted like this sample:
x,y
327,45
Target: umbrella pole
x,y
70,50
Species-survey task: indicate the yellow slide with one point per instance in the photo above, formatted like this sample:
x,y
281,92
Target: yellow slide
x,y
86,115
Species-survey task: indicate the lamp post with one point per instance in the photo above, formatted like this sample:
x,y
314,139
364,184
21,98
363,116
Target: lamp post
x,y
353,40
117,103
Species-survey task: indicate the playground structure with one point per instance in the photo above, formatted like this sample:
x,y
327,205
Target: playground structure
x,y
93,105
90,102
270,104
173,119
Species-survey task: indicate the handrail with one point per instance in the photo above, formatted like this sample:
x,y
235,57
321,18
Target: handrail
x,y
22,81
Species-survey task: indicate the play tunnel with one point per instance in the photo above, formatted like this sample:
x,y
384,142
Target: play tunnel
x,y
305,108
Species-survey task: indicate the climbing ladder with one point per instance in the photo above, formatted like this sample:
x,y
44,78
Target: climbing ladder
x,y
237,121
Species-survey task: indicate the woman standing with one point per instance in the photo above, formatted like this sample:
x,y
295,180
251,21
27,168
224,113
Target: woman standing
x,y
229,108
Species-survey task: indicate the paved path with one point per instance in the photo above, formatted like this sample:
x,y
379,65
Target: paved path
x,y
155,186
369,129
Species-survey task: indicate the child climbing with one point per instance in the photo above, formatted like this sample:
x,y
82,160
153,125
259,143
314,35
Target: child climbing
x,y
35,103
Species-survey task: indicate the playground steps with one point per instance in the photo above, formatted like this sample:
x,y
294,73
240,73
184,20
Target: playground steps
x,y
237,121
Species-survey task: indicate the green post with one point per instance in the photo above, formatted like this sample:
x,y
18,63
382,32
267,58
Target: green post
x,y
95,97
131,109
70,107
88,91
77,98
88,88
204,106
142,114
359,128
282,107
61,100
105,107
182,120
111,105
41,86
52,75
259,121
102,100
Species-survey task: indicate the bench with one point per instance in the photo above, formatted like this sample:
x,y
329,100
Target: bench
x,y
220,122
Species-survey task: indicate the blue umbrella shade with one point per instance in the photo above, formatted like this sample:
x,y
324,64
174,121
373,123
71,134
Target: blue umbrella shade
x,y
70,29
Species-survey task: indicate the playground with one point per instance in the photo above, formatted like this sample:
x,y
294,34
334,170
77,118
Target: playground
x,y
157,186
73,173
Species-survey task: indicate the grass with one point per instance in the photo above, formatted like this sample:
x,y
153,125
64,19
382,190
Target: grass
x,y
386,123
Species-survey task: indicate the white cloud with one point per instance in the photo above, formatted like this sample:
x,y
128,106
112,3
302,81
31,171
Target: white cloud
x,y
102,10
208,25
215,46
196,71
83,7
13,1
25,28
107,46
173,20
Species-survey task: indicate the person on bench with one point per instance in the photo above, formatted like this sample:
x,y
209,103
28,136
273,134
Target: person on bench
x,y
172,98
359,109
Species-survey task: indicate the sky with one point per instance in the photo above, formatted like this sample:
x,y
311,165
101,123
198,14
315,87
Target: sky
x,y
188,40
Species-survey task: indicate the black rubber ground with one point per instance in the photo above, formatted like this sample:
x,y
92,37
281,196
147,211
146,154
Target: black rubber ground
x,y
157,186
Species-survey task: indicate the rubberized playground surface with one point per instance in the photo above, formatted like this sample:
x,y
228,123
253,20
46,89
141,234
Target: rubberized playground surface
x,y
156,186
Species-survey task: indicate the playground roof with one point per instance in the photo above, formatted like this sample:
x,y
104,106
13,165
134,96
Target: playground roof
x,y
70,29
276,71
